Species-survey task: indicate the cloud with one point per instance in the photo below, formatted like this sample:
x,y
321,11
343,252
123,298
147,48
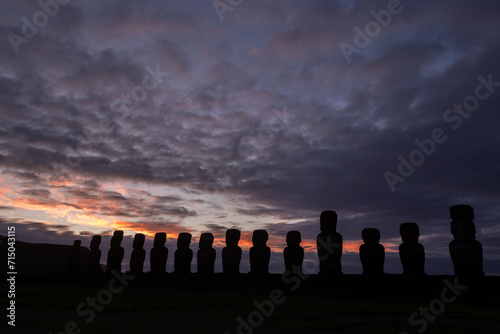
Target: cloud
x,y
259,116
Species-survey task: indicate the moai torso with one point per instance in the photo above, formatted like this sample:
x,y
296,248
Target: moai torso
x,y
466,252
260,254
231,254
293,253
329,244
94,260
183,255
205,257
138,254
75,257
411,252
372,253
159,253
115,254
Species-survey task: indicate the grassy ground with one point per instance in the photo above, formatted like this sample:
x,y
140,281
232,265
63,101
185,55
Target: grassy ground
x,y
193,305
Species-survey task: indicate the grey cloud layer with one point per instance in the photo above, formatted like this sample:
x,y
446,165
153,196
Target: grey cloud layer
x,y
262,105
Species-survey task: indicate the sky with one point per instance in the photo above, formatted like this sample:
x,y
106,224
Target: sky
x,y
199,116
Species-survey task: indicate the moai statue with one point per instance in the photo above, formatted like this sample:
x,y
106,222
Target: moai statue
x,y
372,253
138,254
329,244
115,253
75,257
231,254
159,253
260,254
293,253
94,260
206,254
183,255
411,252
466,252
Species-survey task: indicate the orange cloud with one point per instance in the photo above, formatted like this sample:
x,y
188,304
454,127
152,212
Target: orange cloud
x,y
151,228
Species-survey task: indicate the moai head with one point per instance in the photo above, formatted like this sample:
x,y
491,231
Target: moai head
x,y
259,237
409,232
76,245
160,239
206,240
293,239
232,237
461,213
370,236
139,239
117,238
462,225
183,240
95,242
328,221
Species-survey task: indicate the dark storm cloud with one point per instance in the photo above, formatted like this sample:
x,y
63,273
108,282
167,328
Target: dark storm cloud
x,y
263,105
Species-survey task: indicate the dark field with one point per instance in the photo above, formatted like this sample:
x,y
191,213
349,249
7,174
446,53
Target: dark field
x,y
312,304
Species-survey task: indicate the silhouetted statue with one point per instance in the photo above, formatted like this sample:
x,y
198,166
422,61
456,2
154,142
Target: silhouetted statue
x,y
466,252
329,244
94,259
75,257
183,255
293,253
260,254
411,252
115,253
159,253
372,253
206,254
231,254
138,254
